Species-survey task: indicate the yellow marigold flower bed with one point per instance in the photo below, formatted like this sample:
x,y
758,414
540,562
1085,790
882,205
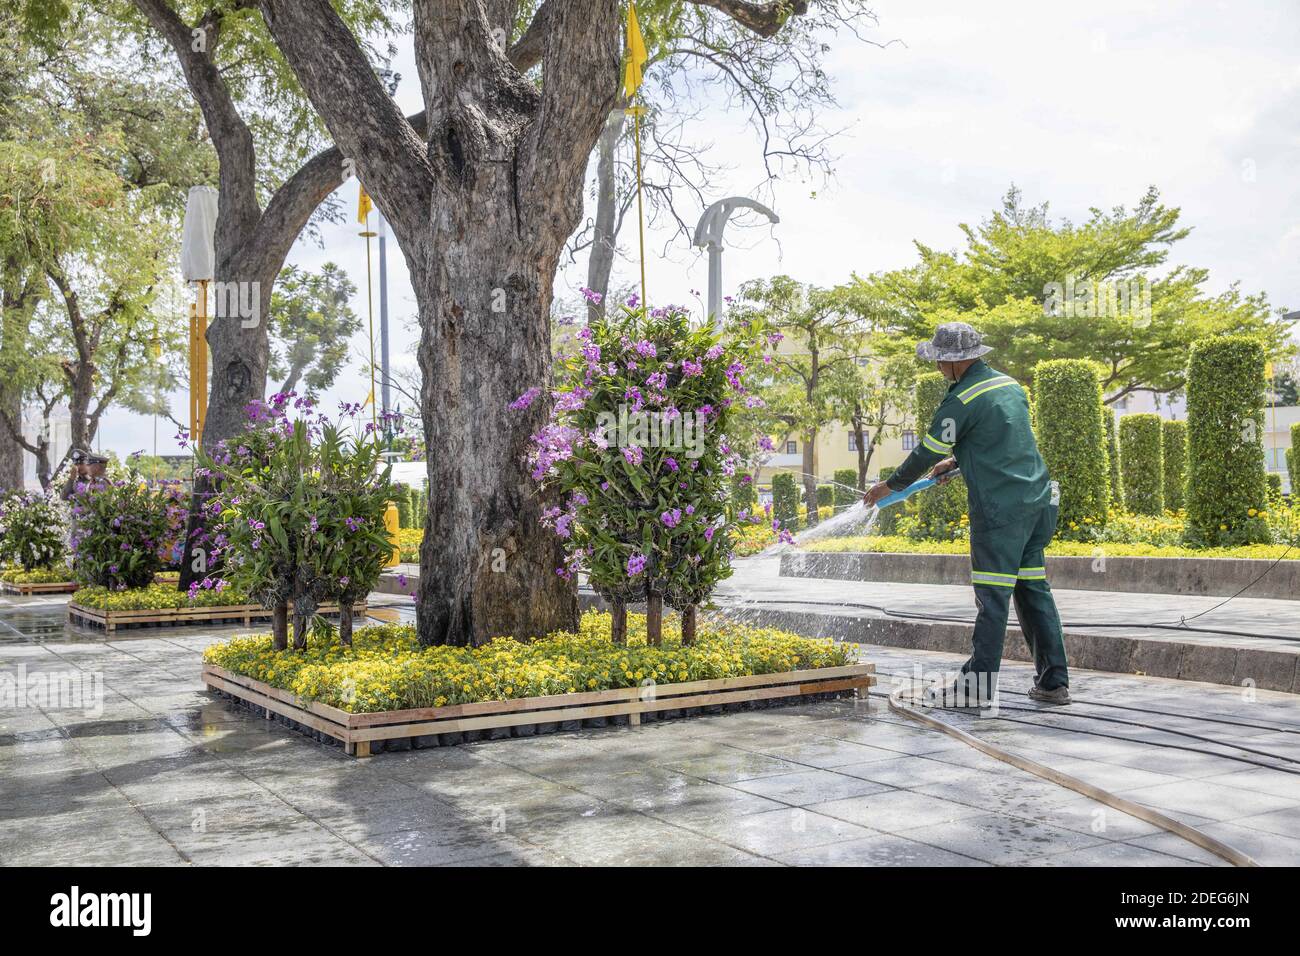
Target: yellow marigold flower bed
x,y
156,597
896,544
387,669
37,576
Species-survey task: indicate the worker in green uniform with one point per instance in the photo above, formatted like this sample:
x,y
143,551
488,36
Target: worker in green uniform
x,y
982,426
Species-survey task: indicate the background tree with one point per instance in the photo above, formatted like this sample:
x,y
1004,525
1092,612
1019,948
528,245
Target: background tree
x,y
811,373
311,323
90,164
1035,286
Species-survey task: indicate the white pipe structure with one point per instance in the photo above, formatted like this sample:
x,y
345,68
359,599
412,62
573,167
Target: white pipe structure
x,y
708,236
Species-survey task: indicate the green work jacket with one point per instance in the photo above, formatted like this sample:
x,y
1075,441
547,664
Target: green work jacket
x,y
983,422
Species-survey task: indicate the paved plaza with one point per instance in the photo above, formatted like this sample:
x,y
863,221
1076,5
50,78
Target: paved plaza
x,y
168,774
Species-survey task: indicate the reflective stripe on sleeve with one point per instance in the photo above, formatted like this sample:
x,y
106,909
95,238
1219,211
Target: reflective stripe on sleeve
x,y
936,446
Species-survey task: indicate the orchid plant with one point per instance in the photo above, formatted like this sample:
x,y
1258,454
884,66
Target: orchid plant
x,y
125,529
298,516
32,528
637,455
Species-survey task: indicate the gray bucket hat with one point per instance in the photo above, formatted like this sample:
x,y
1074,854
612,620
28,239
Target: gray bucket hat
x,y
952,342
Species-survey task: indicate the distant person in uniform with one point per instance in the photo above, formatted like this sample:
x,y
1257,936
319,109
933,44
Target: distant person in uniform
x,y
982,426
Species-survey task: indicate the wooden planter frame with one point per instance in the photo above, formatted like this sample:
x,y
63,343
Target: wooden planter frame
x,y
358,731
50,587
111,620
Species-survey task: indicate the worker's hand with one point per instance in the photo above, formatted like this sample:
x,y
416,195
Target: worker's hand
x,y
939,470
875,493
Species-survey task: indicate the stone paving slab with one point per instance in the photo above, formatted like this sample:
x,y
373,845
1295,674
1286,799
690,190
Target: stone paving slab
x,y
168,775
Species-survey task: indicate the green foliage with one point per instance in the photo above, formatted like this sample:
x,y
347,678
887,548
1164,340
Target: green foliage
x,y
1037,286
825,496
1112,452
844,491
1293,459
1072,440
938,511
31,530
785,501
1142,463
1173,443
125,530
311,324
1225,423
300,511
743,493
887,520
1274,488
402,498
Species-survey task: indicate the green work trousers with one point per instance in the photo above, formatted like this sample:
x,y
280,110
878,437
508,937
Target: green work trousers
x,y
1008,563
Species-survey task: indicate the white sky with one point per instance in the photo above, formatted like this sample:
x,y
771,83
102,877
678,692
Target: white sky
x,y
1080,105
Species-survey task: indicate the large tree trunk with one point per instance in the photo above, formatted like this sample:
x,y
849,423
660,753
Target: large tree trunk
x,y
604,235
11,453
810,474
487,565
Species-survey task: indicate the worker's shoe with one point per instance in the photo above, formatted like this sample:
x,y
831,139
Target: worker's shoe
x,y
1057,695
964,694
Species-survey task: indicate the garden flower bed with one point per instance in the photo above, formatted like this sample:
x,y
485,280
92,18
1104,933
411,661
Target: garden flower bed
x,y
386,687
37,581
164,604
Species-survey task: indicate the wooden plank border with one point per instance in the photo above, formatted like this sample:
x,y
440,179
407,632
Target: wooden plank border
x,y
110,620
358,731
50,587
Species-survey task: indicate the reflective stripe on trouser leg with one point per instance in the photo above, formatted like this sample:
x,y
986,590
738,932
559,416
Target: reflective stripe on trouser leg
x,y
992,579
1032,574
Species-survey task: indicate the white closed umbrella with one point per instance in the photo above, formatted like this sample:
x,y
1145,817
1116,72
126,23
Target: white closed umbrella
x,y
198,246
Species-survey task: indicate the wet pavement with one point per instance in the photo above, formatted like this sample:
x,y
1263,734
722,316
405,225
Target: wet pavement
x,y
157,771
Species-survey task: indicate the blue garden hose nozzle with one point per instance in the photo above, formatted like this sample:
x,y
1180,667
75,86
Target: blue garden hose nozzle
x,y
900,496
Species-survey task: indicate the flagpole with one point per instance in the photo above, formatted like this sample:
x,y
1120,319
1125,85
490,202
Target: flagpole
x,y
640,212
363,203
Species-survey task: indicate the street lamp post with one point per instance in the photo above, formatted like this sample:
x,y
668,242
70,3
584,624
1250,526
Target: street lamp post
x,y
708,236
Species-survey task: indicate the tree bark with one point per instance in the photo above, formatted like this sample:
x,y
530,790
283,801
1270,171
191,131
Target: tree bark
x,y
688,625
810,475
604,236
618,623
280,626
345,623
654,619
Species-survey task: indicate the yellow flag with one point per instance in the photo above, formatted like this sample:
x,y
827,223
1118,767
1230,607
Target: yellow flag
x,y
636,54
363,204
370,399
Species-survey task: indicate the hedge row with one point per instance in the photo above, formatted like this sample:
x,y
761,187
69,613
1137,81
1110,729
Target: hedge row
x,y
1226,487
1293,459
1072,439
1112,452
887,520
1173,445
845,488
1142,463
785,501
938,510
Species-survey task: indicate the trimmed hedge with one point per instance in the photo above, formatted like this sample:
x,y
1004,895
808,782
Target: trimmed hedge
x,y
785,501
402,498
1293,459
1274,480
938,510
845,488
1072,440
1226,488
1142,455
825,496
887,520
1112,452
744,496
1173,446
